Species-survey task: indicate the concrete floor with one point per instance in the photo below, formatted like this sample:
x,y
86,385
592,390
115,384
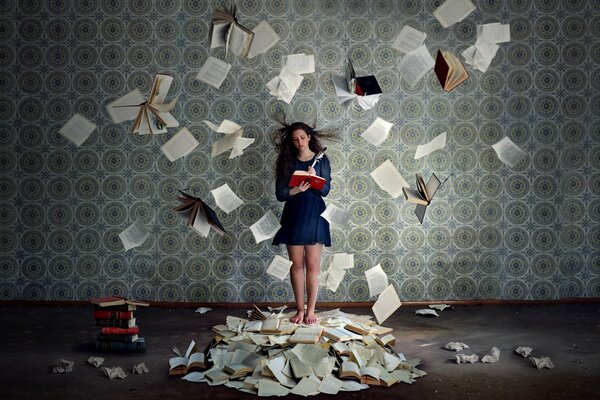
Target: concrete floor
x,y
36,338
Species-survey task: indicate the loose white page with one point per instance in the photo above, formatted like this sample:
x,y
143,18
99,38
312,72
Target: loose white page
x,y
77,129
330,385
376,279
311,354
481,54
334,278
268,388
377,132
126,107
180,145
389,179
264,38
226,199
299,63
368,102
494,33
342,261
409,39
508,152
195,376
415,65
387,303
266,227
135,235
239,145
307,386
225,143
436,143
336,216
213,72
279,267
285,85
352,386
453,11
226,126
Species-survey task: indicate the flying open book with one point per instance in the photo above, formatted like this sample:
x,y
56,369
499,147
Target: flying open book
x,y
200,217
226,31
365,89
449,70
423,195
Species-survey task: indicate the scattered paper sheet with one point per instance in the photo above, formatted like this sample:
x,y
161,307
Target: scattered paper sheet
x,y
299,63
493,357
463,358
542,362
336,216
267,387
389,179
195,376
114,372
213,72
203,310
436,144
285,85
524,351
135,235
481,54
387,303
64,367
494,33
409,39
279,267
232,140
377,132
180,145
453,11
440,307
266,227
377,280
96,361
330,385
226,199
342,261
426,312
456,346
77,129
508,152
239,145
352,386
308,386
415,65
125,108
264,38
140,369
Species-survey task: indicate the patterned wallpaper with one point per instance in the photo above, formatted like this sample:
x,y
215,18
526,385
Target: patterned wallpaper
x,y
530,232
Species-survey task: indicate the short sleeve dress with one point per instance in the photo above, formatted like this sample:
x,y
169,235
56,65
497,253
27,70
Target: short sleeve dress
x,y
301,221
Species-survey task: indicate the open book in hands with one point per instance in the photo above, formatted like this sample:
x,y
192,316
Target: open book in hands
x,y
424,192
200,217
299,176
226,31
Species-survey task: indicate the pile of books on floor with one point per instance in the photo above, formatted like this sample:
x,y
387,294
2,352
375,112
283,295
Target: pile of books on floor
x,y
118,327
267,355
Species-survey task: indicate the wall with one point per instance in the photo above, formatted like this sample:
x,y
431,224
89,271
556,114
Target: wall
x,y
530,232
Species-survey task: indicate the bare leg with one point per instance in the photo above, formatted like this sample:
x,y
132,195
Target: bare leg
x,y
313,267
296,254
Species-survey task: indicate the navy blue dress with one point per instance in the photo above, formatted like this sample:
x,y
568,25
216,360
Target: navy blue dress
x,y
301,221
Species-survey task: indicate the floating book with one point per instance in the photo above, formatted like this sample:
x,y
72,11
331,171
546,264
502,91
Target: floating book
x,y
423,195
226,31
200,217
449,70
316,182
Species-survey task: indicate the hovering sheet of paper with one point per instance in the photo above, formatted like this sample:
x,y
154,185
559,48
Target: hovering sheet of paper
x,y
342,261
299,63
377,132
453,11
266,227
415,65
334,278
225,143
239,145
264,38
135,235
436,144
77,129
494,33
279,267
285,85
481,54
125,108
336,216
508,152
213,72
387,303
367,102
376,279
409,39
226,199
226,126
389,179
180,145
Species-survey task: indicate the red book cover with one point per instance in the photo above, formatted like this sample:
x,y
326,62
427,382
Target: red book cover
x,y
113,330
316,182
101,314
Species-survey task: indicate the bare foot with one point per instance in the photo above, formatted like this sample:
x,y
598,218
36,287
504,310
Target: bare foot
x,y
310,318
298,318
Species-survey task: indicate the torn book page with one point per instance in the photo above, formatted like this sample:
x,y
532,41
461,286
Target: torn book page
x,y
494,32
285,85
125,108
415,65
481,54
64,367
377,280
508,152
135,235
389,179
426,312
266,227
265,37
387,303
213,72
453,11
140,369
77,129
342,261
279,267
377,132
336,216
542,362
436,143
440,307
96,361
463,358
524,351
114,372
180,145
456,346
299,63
203,310
226,199
409,39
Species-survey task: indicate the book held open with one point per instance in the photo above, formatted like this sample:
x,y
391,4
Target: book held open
x,y
316,182
449,70
200,217
226,31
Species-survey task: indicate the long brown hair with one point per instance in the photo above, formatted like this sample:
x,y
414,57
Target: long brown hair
x,y
286,151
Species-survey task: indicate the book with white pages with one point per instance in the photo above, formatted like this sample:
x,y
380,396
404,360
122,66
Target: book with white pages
x,y
389,179
77,129
226,31
213,72
180,145
265,37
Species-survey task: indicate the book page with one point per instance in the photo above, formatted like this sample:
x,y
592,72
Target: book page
x,y
409,39
219,33
135,235
299,63
389,179
226,199
494,33
239,145
453,11
377,132
125,108
307,386
201,224
376,279
226,126
279,267
436,143
213,72
224,144
160,88
387,303
342,261
285,85
334,278
264,38
508,152
266,227
415,65
238,40
310,353
481,54
336,216
330,385
180,145
77,129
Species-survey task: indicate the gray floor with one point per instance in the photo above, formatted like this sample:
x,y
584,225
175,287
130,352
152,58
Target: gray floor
x,y
35,338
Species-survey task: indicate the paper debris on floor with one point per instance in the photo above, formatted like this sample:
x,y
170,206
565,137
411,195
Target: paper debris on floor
x,y
542,362
258,356
463,358
203,310
440,307
96,361
64,367
114,372
493,357
456,346
524,351
426,312
140,369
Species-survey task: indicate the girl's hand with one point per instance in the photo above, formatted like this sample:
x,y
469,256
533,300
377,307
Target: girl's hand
x,y
304,186
312,171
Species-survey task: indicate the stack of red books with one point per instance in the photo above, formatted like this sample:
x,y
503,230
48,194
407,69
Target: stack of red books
x,y
118,328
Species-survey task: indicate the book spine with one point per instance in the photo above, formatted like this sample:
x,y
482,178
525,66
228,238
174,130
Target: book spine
x,y
111,330
120,307
106,314
138,345
117,323
116,338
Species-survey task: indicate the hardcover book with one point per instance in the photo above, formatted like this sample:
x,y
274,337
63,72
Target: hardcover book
x,y
449,70
316,182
